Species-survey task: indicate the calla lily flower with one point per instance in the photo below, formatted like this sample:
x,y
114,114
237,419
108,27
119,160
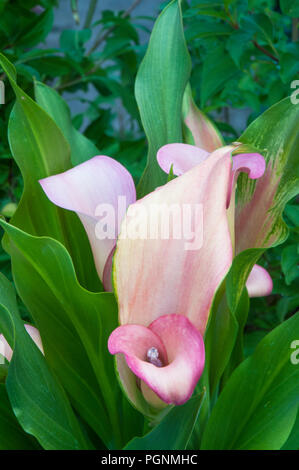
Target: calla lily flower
x,y
164,289
183,157
89,189
6,350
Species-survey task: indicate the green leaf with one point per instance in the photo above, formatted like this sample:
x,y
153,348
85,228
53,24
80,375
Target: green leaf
x,y
260,203
223,348
290,262
217,69
174,431
38,30
237,44
74,325
200,29
12,436
258,407
72,42
54,66
292,212
82,149
289,67
261,25
219,338
40,150
160,84
290,7
37,399
293,440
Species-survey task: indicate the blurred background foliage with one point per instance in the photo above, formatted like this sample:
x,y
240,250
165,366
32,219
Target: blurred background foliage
x,y
245,55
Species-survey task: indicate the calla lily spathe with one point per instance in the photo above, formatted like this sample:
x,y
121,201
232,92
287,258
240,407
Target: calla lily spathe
x,y
164,291
100,180
183,157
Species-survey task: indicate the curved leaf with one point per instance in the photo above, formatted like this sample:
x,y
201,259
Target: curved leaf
x,y
258,407
38,400
12,436
159,89
82,149
173,432
260,205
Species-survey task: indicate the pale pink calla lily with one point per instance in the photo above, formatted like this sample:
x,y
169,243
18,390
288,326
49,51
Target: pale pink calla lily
x,y
174,272
6,350
174,156
172,286
198,128
88,189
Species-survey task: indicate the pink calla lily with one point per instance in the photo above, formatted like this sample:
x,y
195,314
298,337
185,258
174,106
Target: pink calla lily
x,y
100,180
173,156
6,350
159,343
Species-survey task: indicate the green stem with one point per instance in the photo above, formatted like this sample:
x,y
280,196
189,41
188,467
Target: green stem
x,y
90,13
74,6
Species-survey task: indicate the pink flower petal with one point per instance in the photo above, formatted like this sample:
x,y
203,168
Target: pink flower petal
x,y
92,190
155,276
252,163
259,282
5,349
107,273
255,214
201,130
35,336
181,349
183,157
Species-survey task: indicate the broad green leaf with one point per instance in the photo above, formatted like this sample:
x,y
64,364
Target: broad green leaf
x,y
40,150
38,400
74,325
224,338
258,407
238,274
12,436
82,149
293,440
160,84
274,134
174,431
